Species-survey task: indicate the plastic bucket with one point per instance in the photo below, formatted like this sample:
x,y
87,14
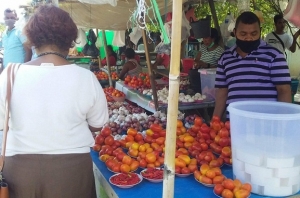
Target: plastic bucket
x,y
265,146
187,64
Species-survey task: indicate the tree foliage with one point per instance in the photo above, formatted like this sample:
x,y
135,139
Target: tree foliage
x,y
268,7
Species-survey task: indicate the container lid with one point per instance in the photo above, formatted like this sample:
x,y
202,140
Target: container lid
x,y
207,71
269,110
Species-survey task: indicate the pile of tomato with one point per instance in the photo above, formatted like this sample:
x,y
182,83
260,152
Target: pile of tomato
x,y
110,91
114,76
101,75
136,82
194,147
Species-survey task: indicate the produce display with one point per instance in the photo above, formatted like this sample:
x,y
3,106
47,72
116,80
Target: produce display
x,y
143,81
113,94
114,76
232,188
132,139
162,97
101,75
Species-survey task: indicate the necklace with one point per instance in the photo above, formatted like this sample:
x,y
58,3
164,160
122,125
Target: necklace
x,y
55,53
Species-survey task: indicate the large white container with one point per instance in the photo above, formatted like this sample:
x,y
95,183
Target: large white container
x,y
265,140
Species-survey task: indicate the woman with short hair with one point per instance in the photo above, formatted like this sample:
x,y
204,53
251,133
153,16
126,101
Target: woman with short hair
x,y
55,107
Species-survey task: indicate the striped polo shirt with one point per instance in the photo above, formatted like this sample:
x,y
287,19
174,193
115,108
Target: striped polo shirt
x,y
211,57
253,77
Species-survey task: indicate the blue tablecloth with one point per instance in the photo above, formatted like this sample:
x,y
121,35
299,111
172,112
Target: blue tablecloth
x,y
186,187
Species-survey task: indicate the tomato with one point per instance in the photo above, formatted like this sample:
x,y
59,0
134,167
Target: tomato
x,y
185,158
241,193
109,140
132,132
127,160
247,187
210,174
237,183
105,132
224,141
204,128
212,134
205,179
129,138
179,124
162,133
115,168
226,151
185,170
97,147
214,163
180,162
150,157
216,125
227,193
155,127
125,168
216,118
204,146
134,165
198,121
192,167
227,125
228,184
143,163
196,128
204,168
223,132
120,156
218,189
99,139
177,170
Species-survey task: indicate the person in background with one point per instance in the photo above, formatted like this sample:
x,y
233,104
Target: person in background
x,y
50,132
208,57
231,40
163,54
13,41
279,39
252,70
113,57
131,67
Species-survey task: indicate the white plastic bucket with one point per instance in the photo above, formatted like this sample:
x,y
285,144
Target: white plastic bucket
x,y
265,140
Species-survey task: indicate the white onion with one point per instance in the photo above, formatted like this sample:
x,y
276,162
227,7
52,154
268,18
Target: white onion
x,y
121,118
115,111
163,118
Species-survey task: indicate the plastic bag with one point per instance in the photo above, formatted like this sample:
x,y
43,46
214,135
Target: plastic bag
x,y
292,13
135,35
111,2
81,38
119,38
90,48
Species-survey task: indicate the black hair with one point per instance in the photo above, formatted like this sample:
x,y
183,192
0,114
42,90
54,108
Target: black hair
x,y
113,53
214,34
232,34
247,18
129,53
277,17
8,10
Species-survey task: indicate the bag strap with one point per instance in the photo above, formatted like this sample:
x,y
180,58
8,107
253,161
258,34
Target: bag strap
x,y
11,72
280,42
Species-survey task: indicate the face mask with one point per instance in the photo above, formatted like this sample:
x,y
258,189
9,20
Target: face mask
x,y
210,46
247,46
10,22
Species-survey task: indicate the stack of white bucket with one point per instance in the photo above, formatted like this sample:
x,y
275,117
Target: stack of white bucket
x,y
265,146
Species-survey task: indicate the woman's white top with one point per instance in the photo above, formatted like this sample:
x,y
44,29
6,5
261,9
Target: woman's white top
x,y
51,109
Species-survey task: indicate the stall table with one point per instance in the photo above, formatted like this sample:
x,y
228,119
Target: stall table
x,y
148,104
184,187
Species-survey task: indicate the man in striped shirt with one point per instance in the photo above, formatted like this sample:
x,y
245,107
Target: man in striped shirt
x,y
252,69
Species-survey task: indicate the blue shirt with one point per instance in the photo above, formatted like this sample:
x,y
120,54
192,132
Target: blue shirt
x,y
12,42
